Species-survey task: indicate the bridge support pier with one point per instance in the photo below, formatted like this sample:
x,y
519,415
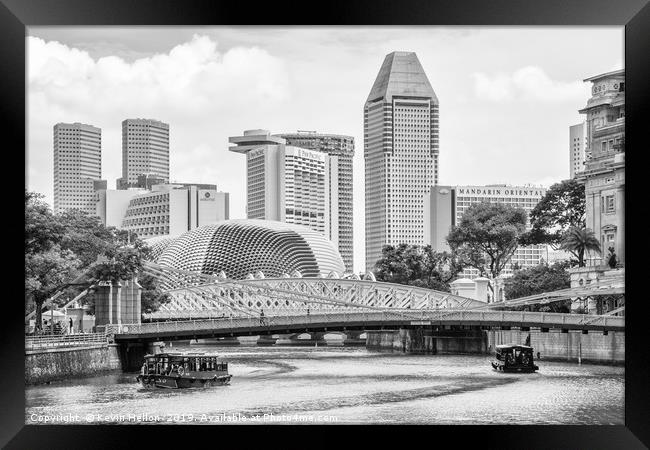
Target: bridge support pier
x,y
315,339
426,340
353,338
225,341
266,340
132,354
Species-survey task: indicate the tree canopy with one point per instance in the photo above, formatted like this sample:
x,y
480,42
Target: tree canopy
x,y
536,280
487,236
417,266
561,208
60,248
579,241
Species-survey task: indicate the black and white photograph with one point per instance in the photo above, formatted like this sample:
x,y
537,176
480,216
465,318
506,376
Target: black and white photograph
x,y
325,225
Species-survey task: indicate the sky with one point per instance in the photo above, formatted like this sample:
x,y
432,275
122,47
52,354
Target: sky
x,y
507,94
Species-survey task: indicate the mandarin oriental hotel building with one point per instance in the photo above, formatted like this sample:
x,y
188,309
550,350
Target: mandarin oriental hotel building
x,y
444,207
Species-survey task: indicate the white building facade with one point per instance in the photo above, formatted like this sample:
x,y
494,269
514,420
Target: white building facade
x,y
77,166
289,184
401,145
604,174
112,204
172,209
341,147
145,150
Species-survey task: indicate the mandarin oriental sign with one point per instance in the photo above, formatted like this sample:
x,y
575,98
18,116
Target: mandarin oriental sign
x,y
532,192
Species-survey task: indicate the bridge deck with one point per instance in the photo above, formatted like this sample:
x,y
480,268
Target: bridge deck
x,y
237,326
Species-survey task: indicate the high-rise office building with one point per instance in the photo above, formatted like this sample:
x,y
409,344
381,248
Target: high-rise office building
x,y
77,166
145,150
604,173
577,148
285,183
445,206
343,148
400,153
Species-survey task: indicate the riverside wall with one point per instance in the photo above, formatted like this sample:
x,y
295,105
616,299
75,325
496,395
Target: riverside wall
x,y
572,346
42,366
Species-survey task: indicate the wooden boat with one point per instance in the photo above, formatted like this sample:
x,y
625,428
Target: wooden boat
x,y
183,370
514,358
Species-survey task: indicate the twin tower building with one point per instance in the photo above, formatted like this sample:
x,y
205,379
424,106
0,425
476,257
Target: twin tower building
x,y
303,178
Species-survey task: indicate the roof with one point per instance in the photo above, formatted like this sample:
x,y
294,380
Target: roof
x,y
401,74
513,346
620,72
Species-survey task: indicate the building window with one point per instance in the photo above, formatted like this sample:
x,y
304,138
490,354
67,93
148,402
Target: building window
x,y
610,206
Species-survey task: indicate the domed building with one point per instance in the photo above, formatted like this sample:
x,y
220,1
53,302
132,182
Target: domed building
x,y
158,245
250,246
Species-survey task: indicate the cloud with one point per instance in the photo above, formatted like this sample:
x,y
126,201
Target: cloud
x,y
527,83
194,87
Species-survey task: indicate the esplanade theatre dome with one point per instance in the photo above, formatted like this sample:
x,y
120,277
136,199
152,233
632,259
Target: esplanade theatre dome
x,y
249,246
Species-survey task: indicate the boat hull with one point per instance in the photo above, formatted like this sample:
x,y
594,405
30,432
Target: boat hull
x,y
182,382
514,369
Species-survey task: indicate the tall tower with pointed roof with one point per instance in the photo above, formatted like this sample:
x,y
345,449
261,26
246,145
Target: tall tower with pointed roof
x,y
400,153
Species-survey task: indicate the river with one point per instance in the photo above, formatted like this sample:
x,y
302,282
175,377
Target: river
x,y
309,385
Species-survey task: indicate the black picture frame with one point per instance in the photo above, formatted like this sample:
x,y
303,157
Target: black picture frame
x,y
16,15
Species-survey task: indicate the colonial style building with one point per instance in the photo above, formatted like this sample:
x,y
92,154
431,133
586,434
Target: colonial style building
x,y
604,173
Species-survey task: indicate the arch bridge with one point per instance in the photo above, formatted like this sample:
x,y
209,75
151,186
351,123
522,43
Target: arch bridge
x,y
214,306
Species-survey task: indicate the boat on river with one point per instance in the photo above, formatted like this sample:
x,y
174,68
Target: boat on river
x,y
183,370
514,358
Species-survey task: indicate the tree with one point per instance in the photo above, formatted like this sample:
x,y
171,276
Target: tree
x,y
417,266
487,236
59,248
561,208
87,237
536,280
578,241
152,297
47,272
42,230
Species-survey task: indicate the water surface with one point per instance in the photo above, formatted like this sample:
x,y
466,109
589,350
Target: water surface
x,y
293,385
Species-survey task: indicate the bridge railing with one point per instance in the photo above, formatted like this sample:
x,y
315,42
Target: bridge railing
x,y
523,318
70,340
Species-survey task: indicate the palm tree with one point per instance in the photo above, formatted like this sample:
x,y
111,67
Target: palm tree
x,y
578,240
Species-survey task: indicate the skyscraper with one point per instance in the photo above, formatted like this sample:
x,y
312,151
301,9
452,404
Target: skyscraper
x,y
577,148
285,183
77,166
145,150
341,147
400,153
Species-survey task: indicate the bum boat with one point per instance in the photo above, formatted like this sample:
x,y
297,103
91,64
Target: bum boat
x,y
183,370
514,358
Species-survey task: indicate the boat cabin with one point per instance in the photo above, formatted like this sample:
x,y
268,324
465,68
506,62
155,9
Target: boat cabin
x,y
516,358
182,363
